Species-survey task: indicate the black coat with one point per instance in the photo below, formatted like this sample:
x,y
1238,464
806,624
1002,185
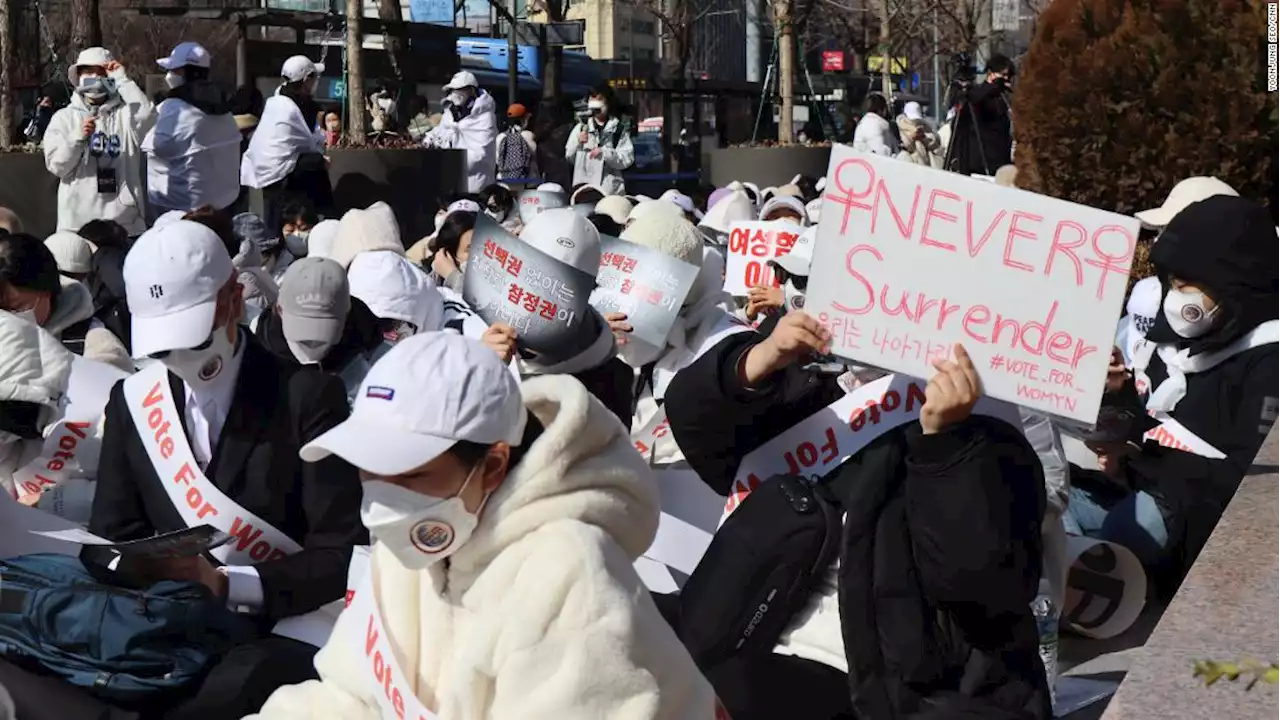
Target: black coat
x,y
986,150
941,552
275,410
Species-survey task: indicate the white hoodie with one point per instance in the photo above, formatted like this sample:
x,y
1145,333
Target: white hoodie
x,y
539,614
193,158
476,133
116,143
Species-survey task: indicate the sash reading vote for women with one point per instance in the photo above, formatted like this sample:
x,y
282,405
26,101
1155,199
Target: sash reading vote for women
x,y
200,502
392,688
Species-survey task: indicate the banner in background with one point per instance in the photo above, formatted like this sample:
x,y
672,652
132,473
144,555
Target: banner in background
x,y
751,246
909,261
545,300
646,285
535,202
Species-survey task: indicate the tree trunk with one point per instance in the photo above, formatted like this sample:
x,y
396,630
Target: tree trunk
x,y
401,66
786,57
355,72
886,67
6,75
86,26
552,58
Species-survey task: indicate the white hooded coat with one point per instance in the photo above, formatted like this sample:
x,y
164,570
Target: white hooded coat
x,y
116,145
539,614
476,133
282,135
873,135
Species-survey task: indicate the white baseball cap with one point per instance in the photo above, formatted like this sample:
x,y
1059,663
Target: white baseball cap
x,y
427,393
682,201
566,236
1183,195
461,80
187,53
172,276
71,251
799,260
299,67
394,288
778,202
551,187
912,110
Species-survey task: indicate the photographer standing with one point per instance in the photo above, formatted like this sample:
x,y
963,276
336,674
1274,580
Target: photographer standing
x,y
982,138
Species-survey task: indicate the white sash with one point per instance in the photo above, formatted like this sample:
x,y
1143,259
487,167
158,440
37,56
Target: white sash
x,y
199,502
825,440
1179,363
1173,434
394,691
71,447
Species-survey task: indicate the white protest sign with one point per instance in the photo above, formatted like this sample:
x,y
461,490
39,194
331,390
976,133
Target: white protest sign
x,y
751,246
646,285
910,260
1172,434
533,203
1106,587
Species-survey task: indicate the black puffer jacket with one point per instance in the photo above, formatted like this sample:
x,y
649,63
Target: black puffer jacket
x,y
941,553
1227,245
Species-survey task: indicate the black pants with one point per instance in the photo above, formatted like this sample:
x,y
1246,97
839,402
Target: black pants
x,y
768,687
235,687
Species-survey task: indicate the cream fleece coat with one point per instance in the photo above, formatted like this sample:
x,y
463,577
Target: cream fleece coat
x,y
539,614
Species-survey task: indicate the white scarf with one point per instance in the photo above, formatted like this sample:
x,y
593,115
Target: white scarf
x,y
1180,363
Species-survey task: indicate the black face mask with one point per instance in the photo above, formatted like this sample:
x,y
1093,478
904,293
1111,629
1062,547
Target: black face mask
x,y
21,419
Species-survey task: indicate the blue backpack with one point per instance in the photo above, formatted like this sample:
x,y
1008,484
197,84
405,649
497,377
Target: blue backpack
x,y
118,643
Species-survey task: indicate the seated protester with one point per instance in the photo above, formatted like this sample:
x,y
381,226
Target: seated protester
x,y
1208,363
72,253
317,322
31,288
297,218
420,252
500,204
595,364
254,241
106,281
617,207
926,612
784,207
50,420
398,293
232,418
451,249
736,207
793,270
373,229
685,203
705,318
501,579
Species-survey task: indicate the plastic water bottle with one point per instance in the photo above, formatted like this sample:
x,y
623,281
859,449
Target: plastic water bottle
x,y
1046,614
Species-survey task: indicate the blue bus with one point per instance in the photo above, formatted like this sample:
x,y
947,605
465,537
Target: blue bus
x,y
487,58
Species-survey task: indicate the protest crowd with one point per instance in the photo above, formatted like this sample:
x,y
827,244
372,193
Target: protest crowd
x,y
823,450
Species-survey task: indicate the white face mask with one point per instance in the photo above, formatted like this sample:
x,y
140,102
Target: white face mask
x,y
1185,310
309,354
94,88
457,98
174,80
793,297
420,530
198,368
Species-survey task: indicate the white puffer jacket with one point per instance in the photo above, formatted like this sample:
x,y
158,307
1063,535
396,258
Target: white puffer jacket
x,y
539,614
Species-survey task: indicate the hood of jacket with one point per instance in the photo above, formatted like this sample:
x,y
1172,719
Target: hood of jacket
x,y
361,231
1236,265
203,95
599,352
74,304
581,468
34,366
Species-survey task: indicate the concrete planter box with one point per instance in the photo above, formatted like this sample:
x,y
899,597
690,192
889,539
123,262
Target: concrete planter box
x,y
411,181
28,189
765,166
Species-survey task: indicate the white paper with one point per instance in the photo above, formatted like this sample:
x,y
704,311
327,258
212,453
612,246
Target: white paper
x,y
80,536
587,169
910,260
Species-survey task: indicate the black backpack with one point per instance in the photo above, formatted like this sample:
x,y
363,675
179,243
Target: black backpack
x,y
514,160
760,569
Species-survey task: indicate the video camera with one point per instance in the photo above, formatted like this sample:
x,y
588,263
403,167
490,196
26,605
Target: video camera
x,y
962,70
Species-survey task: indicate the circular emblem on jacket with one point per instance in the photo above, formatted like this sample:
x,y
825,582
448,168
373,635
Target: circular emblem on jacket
x,y
210,370
431,536
1192,312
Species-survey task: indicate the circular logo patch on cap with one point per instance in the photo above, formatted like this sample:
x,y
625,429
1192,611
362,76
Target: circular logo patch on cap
x,y
1192,313
566,242
431,536
210,370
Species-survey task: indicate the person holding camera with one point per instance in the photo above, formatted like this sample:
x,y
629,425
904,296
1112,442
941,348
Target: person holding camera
x,y
983,132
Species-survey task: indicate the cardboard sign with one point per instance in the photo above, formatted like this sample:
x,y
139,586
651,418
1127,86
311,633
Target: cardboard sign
x,y
545,300
751,246
1106,588
536,202
646,285
910,260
